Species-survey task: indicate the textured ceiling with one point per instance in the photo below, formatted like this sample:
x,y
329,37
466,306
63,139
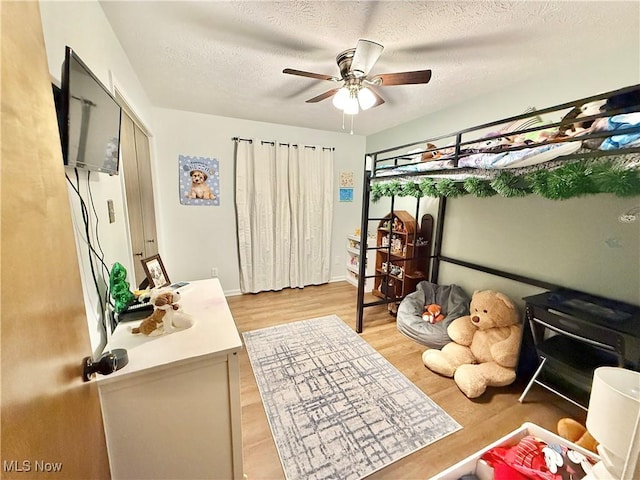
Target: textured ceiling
x,y
226,57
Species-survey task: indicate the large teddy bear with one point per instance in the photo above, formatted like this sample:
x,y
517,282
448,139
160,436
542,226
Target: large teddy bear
x,y
485,346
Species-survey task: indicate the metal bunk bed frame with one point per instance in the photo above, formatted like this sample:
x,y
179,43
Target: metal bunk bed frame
x,y
436,256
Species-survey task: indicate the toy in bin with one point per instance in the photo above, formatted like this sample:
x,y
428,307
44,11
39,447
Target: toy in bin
x,y
432,313
533,458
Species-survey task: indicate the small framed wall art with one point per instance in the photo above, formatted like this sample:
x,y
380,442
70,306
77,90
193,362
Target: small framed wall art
x,y
346,194
346,179
199,181
155,272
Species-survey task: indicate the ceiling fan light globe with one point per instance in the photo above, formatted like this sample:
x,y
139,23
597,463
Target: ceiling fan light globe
x,y
366,98
341,98
352,107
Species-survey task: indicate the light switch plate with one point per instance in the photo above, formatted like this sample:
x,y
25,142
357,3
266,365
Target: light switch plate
x,y
112,214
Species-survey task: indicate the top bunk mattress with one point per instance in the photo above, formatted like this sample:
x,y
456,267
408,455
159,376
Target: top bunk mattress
x,y
604,129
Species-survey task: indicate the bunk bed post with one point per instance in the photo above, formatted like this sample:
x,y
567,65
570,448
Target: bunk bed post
x,y
437,245
418,223
364,235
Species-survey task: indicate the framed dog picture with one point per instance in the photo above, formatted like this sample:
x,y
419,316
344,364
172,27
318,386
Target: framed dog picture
x,y
199,181
155,272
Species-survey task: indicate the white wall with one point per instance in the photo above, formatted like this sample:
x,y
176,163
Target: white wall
x,y
577,243
191,239
83,27
198,238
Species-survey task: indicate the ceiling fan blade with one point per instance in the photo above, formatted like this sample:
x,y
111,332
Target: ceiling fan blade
x,y
324,95
300,73
365,57
402,78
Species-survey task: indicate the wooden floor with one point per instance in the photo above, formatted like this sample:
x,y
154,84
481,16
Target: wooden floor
x,y
484,420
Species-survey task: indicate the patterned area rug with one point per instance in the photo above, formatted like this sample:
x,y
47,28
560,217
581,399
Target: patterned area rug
x,y
336,407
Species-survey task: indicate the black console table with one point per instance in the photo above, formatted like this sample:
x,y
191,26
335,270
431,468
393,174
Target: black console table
x,y
573,334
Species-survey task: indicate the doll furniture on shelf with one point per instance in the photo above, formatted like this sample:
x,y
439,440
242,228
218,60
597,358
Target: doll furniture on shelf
x,y
402,254
174,411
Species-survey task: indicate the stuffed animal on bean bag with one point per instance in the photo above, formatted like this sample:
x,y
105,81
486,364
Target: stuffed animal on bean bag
x,y
432,313
167,314
577,433
484,348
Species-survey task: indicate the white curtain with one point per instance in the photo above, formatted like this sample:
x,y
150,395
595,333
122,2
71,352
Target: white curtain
x,y
284,208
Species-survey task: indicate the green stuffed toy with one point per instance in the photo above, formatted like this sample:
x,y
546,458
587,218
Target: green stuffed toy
x,y
120,288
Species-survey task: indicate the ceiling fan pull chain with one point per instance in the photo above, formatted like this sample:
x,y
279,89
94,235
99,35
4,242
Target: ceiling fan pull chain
x,y
352,124
343,119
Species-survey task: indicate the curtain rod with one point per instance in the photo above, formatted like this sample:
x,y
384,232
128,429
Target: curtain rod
x,y
238,139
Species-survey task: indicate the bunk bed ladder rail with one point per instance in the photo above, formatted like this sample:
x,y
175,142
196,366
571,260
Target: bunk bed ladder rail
x,y
364,235
437,243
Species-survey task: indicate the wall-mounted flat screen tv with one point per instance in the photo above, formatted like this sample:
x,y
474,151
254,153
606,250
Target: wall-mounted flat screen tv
x,y
88,118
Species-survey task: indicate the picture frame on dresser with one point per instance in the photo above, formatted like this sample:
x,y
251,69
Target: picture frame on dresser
x,y
155,271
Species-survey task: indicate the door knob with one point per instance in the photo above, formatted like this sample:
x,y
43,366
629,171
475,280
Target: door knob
x,y
151,241
138,254
108,363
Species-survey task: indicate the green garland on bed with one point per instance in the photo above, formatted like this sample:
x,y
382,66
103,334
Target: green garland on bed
x,y
448,188
571,180
479,188
428,188
509,185
620,182
568,181
411,190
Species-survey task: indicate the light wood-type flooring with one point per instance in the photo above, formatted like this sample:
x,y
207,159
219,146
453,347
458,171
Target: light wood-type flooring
x,y
484,420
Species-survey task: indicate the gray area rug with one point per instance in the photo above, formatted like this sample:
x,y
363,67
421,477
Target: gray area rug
x,y
336,407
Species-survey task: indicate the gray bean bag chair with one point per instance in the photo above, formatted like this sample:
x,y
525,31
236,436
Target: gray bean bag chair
x,y
451,298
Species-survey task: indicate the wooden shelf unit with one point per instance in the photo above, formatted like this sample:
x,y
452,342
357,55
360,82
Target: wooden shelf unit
x,y
353,261
401,245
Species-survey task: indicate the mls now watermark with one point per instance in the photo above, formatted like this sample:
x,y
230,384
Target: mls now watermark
x,y
17,466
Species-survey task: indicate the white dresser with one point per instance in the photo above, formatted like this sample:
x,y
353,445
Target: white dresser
x,y
174,411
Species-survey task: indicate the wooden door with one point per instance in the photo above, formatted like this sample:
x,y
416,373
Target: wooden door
x,y
146,192
51,420
136,164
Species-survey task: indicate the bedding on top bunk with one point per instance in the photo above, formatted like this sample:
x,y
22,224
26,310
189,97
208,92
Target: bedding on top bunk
x,y
485,155
621,122
519,158
621,161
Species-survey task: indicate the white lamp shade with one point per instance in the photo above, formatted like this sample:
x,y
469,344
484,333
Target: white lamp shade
x,y
366,98
351,108
614,407
341,98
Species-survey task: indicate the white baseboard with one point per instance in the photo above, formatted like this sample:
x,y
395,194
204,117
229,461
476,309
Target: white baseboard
x,y
236,292
232,293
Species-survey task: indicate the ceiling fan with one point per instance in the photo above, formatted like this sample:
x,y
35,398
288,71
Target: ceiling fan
x,y
356,93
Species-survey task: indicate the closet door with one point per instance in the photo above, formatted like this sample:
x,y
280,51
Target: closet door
x,y
136,166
